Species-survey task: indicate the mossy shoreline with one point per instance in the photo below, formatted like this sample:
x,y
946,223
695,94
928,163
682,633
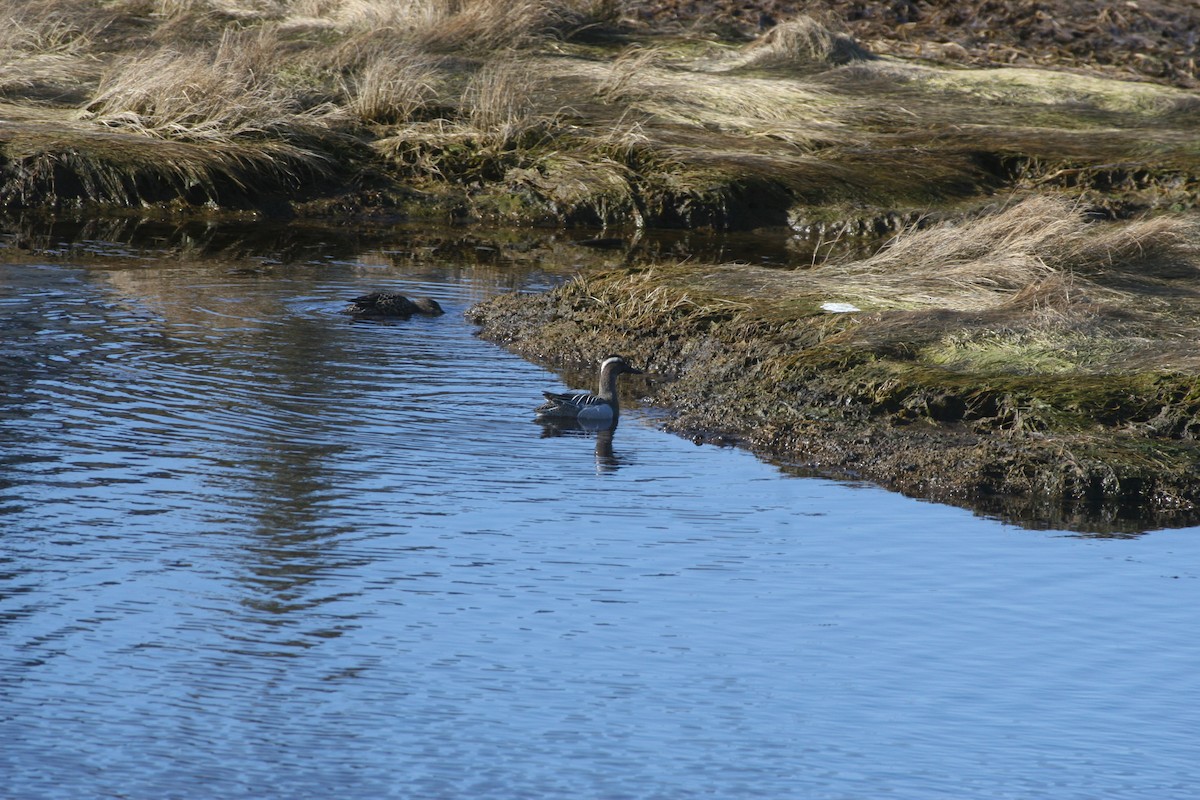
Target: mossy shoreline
x,y
1073,401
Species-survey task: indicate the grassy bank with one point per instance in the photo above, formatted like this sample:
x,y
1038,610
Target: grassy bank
x,y
548,112
1033,362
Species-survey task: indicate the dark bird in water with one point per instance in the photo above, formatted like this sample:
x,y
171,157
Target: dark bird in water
x,y
585,407
390,305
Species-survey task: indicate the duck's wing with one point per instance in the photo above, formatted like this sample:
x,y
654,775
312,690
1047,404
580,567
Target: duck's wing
x,y
577,399
382,304
567,403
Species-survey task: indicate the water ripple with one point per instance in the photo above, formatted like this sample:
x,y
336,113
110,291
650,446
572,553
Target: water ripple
x,y
252,547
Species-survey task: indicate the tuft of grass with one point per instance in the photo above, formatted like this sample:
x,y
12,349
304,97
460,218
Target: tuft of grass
x,y
627,71
187,24
390,86
1042,242
501,102
642,300
499,124
44,42
46,28
801,42
206,96
458,26
474,25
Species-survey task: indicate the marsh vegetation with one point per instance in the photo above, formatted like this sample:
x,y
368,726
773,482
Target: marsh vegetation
x,y
551,112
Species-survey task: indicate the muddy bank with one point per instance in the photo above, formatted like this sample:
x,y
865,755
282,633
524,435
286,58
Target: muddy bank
x,y
1033,364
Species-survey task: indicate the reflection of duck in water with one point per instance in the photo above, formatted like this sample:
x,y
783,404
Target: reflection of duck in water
x,y
606,459
598,410
391,305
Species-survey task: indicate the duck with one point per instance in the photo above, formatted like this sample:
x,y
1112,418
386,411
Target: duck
x,y
382,305
586,407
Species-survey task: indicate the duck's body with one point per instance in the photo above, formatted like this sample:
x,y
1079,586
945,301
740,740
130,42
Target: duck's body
x,y
385,305
581,406
585,407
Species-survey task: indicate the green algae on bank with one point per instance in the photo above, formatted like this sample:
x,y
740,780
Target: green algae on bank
x,y
1105,431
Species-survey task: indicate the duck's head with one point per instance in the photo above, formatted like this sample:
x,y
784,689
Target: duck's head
x,y
427,305
617,365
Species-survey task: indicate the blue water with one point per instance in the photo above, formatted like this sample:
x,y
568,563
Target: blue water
x,y
251,549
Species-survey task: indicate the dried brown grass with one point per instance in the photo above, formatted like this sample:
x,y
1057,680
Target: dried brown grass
x,y
703,105
79,164
226,93
457,26
44,43
48,27
627,71
1035,288
497,125
998,258
390,85
192,23
647,300
486,24
502,100
801,42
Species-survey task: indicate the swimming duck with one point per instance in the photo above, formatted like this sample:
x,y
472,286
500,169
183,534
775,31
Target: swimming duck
x,y
381,305
586,407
